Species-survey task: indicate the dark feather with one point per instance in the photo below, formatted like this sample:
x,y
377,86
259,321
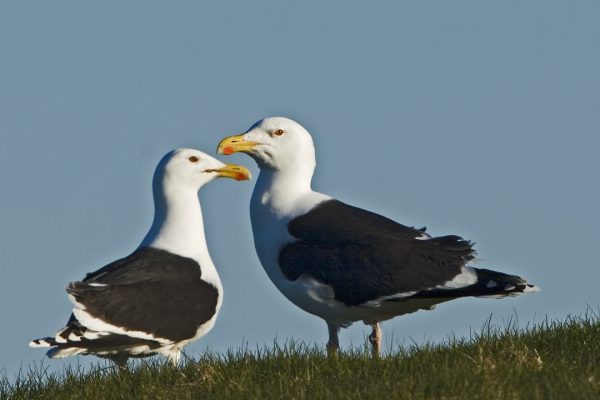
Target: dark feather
x,y
151,291
364,256
489,283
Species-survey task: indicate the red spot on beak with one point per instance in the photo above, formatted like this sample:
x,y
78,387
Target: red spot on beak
x,y
228,150
240,177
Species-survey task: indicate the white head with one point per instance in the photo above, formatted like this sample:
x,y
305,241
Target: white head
x,y
182,172
191,169
275,143
177,224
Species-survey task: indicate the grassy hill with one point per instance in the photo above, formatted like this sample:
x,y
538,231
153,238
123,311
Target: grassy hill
x,y
552,360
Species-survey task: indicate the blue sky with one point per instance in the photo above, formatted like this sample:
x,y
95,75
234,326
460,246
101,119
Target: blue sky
x,y
469,117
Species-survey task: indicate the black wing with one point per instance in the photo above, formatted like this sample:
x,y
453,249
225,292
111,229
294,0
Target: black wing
x,y
151,291
364,256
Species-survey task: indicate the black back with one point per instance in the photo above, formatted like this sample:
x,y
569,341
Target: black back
x,y
152,291
364,256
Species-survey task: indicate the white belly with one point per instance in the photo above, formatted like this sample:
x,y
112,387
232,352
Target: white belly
x,y
319,299
269,226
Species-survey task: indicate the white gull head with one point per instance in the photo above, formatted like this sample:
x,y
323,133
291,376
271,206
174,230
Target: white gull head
x,y
285,153
281,145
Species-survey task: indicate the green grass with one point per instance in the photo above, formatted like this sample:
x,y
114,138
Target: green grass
x,y
551,360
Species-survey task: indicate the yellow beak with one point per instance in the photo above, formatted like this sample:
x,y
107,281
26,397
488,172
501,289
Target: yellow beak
x,y
234,144
233,171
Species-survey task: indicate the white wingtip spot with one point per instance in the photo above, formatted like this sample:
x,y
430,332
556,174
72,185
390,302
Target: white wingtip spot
x,y
96,284
38,343
60,339
532,289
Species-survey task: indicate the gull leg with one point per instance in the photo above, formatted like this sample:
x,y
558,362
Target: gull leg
x,y
174,357
375,338
333,345
120,361
172,354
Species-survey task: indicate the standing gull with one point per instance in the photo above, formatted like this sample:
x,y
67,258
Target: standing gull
x,y
165,294
343,263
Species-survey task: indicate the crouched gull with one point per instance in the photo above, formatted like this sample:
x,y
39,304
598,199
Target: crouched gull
x,y
343,263
165,294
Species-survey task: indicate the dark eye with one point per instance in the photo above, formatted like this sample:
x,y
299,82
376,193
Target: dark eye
x,y
193,159
278,132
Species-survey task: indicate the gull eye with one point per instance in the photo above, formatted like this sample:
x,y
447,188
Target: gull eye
x,y
278,132
193,159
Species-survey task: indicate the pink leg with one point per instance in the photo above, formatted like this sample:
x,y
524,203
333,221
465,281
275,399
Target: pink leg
x,y
333,345
375,338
